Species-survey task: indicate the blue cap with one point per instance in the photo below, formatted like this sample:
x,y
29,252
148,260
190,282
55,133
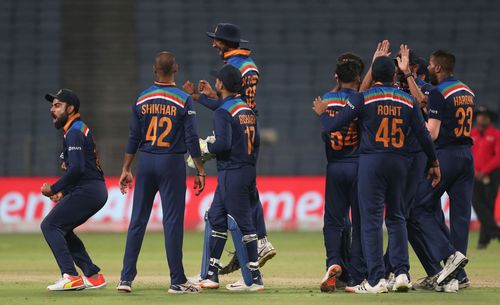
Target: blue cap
x,y
383,69
230,77
228,32
65,95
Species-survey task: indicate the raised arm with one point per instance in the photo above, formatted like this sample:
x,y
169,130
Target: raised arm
x,y
382,50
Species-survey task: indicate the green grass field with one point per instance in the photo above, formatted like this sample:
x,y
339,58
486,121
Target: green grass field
x,y
27,267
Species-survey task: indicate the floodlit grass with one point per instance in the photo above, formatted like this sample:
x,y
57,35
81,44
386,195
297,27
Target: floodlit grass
x,y
27,267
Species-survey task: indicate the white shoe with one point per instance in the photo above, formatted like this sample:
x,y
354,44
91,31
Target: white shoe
x,y
453,265
391,280
352,289
124,286
67,282
365,287
236,284
451,286
240,285
401,283
265,250
206,284
187,287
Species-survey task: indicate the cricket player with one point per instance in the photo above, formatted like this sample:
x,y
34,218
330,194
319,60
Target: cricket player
x,y
387,117
79,193
451,106
227,39
341,183
162,128
417,161
407,80
236,146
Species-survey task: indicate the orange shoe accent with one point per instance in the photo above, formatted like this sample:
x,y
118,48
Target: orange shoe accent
x,y
95,282
75,282
329,285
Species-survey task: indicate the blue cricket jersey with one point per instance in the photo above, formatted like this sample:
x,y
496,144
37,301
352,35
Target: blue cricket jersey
x,y
79,155
163,122
425,88
240,59
340,145
237,137
387,117
452,102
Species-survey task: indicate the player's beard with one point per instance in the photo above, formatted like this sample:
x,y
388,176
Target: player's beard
x,y
61,121
433,78
222,51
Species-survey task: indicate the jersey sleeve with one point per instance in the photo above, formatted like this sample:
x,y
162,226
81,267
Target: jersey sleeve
x,y
344,117
249,88
423,136
134,136
436,105
223,132
191,130
210,103
75,141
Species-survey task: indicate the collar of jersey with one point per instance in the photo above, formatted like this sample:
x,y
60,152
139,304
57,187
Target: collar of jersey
x,y
171,84
347,90
231,97
448,79
243,52
70,121
388,84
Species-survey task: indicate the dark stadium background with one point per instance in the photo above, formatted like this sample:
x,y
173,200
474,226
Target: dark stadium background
x,y
103,50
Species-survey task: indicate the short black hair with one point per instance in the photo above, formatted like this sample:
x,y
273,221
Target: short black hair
x,y
165,62
351,57
445,59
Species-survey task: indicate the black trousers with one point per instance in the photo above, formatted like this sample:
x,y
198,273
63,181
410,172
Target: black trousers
x,y
483,201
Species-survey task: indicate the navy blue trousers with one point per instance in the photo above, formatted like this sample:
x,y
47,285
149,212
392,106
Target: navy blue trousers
x,y
165,173
81,203
233,196
340,195
457,171
416,174
258,214
381,182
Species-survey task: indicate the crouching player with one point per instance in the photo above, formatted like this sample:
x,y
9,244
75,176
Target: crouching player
x,y
341,183
236,147
79,194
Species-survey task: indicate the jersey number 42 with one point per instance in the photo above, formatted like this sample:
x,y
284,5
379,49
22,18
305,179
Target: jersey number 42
x,y
155,124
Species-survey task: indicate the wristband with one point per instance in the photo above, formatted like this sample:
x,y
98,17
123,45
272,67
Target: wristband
x,y
408,75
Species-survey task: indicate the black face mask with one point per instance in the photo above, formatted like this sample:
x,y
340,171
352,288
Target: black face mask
x,y
60,122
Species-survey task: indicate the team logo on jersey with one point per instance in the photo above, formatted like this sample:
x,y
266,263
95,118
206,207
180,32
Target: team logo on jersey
x,y
70,148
